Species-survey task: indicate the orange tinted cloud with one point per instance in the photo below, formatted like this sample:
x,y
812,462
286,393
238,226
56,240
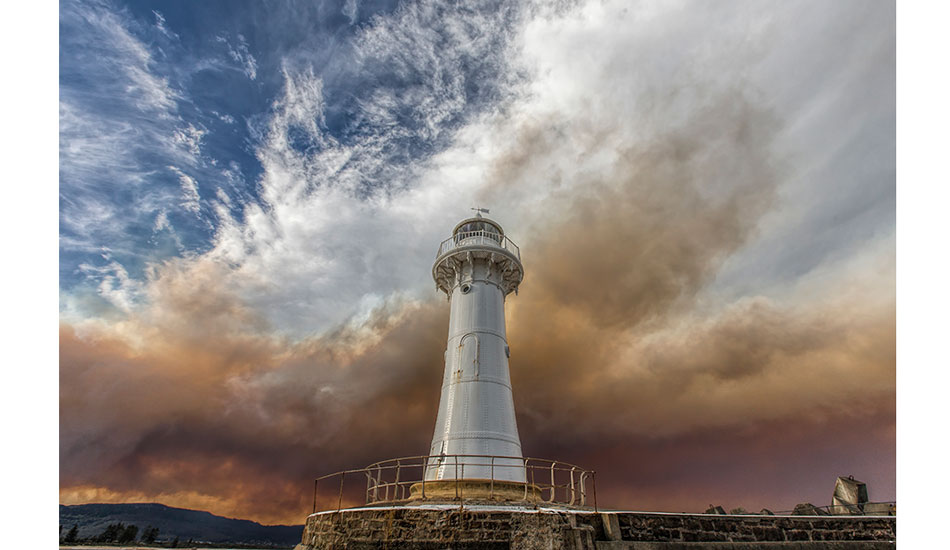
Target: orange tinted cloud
x,y
622,360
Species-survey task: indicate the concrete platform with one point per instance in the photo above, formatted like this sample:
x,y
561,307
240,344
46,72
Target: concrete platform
x,y
476,489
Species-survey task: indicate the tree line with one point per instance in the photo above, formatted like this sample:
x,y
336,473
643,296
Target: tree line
x,y
117,533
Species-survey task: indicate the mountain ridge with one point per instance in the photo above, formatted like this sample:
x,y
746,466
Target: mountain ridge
x,y
181,523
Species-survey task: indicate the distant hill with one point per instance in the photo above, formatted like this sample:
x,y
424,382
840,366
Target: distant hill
x,y
185,524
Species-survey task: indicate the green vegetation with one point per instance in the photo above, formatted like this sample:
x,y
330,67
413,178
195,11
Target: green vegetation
x,y
72,535
149,535
114,533
120,534
159,526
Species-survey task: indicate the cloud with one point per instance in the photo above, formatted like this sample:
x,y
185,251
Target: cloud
x,y
611,353
127,113
659,195
160,25
189,138
349,9
241,55
200,397
120,123
115,285
129,56
190,199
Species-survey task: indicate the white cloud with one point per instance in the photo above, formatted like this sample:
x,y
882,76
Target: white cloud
x,y
349,10
190,199
189,138
160,25
116,286
241,55
577,87
226,118
161,221
130,57
120,125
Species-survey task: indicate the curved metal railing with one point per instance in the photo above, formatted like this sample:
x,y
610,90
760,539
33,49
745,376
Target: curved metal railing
x,y
478,238
391,481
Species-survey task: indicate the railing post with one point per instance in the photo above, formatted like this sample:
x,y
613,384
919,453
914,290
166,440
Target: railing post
x,y
456,476
553,484
425,472
532,484
369,484
491,489
339,503
461,500
573,496
524,464
398,489
583,488
315,495
593,483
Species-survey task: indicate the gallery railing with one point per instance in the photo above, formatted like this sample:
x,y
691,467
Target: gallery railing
x,y
403,479
478,238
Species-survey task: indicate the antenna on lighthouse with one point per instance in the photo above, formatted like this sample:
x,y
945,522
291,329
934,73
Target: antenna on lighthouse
x,y
478,211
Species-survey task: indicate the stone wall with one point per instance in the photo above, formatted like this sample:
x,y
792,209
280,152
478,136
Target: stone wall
x,y
495,528
693,528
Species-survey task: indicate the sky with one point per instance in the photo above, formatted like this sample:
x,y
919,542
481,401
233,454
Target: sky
x,y
251,196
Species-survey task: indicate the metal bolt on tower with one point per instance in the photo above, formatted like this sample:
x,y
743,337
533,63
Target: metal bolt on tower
x,y
477,268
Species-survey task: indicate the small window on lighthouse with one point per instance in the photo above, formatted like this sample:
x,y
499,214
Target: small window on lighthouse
x,y
465,288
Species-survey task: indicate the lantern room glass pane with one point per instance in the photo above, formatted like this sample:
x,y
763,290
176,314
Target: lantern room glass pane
x,y
477,230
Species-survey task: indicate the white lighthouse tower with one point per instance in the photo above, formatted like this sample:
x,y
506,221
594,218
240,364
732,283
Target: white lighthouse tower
x,y
477,267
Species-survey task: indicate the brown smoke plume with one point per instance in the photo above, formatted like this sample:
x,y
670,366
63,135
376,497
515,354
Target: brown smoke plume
x,y
619,361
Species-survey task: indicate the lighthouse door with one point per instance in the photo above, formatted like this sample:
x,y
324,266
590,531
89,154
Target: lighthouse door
x,y
467,366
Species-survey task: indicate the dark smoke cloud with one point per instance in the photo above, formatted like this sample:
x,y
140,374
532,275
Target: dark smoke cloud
x,y
227,418
617,364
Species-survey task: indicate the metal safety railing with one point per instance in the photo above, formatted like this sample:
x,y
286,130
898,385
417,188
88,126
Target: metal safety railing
x,y
403,479
478,238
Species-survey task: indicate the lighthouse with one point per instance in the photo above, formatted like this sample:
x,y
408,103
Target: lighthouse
x,y
476,436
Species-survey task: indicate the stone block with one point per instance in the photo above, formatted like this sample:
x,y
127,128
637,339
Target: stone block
x,y
611,527
712,536
880,509
797,535
768,534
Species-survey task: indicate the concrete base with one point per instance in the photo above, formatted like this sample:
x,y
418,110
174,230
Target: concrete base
x,y
500,527
476,490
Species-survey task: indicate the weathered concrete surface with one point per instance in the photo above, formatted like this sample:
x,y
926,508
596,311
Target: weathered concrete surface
x,y
498,528
476,489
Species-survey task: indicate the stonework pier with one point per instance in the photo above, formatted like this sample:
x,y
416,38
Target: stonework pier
x,y
487,527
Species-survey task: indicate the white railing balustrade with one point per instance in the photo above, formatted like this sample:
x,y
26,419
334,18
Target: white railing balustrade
x,y
478,238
